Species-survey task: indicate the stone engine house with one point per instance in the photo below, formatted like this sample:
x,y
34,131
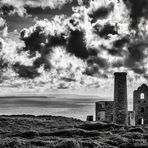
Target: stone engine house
x,y
104,111
117,111
140,105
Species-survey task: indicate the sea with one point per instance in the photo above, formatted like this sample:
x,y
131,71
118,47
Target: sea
x,y
75,106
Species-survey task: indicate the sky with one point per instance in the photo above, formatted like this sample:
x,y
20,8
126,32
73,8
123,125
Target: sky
x,y
72,46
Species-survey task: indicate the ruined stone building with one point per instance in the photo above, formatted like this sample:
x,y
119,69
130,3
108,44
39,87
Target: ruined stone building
x,y
115,111
140,105
104,111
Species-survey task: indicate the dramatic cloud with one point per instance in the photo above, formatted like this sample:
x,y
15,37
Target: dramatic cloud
x,y
81,50
76,44
101,11
137,57
138,9
25,71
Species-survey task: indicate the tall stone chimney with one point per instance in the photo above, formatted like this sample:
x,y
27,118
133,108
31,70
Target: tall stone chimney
x,y
120,98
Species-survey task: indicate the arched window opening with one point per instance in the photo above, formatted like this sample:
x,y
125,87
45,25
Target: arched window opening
x,y
142,96
142,109
141,121
101,105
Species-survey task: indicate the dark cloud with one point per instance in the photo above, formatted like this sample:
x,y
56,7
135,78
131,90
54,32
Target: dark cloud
x,y
7,9
76,44
114,52
121,42
56,41
93,51
95,63
33,41
37,41
118,64
38,62
3,63
86,3
101,62
25,71
118,45
138,9
105,30
145,76
91,70
94,70
140,70
136,52
101,12
136,57
62,86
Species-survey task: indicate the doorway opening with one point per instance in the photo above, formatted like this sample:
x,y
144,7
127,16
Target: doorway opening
x,y
142,109
141,121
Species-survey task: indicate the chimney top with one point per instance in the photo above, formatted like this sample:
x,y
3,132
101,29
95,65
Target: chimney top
x,y
120,73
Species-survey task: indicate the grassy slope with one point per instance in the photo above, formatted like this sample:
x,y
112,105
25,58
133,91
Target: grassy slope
x,y
61,132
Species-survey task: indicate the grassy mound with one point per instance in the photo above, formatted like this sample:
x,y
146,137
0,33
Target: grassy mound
x,y
27,131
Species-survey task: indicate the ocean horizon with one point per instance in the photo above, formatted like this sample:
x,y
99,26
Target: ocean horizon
x,y
68,105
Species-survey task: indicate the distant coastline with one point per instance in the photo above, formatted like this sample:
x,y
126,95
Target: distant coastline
x,y
25,97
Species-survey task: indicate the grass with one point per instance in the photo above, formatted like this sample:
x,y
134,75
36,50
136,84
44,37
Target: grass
x,y
28,131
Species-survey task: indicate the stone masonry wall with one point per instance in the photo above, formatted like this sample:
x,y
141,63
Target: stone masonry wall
x,y
141,105
104,111
120,99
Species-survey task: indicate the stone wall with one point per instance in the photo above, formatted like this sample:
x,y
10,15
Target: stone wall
x,y
140,100
120,98
104,111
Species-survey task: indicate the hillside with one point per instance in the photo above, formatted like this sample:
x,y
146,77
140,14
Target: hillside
x,y
27,131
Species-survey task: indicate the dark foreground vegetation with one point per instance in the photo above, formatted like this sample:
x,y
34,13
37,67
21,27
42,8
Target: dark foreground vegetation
x,y
27,131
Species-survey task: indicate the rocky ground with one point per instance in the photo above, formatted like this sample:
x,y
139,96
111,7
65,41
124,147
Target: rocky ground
x,y
27,131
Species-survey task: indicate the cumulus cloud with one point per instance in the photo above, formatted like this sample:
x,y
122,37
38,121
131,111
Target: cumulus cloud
x,y
138,9
3,27
12,62
82,50
2,23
